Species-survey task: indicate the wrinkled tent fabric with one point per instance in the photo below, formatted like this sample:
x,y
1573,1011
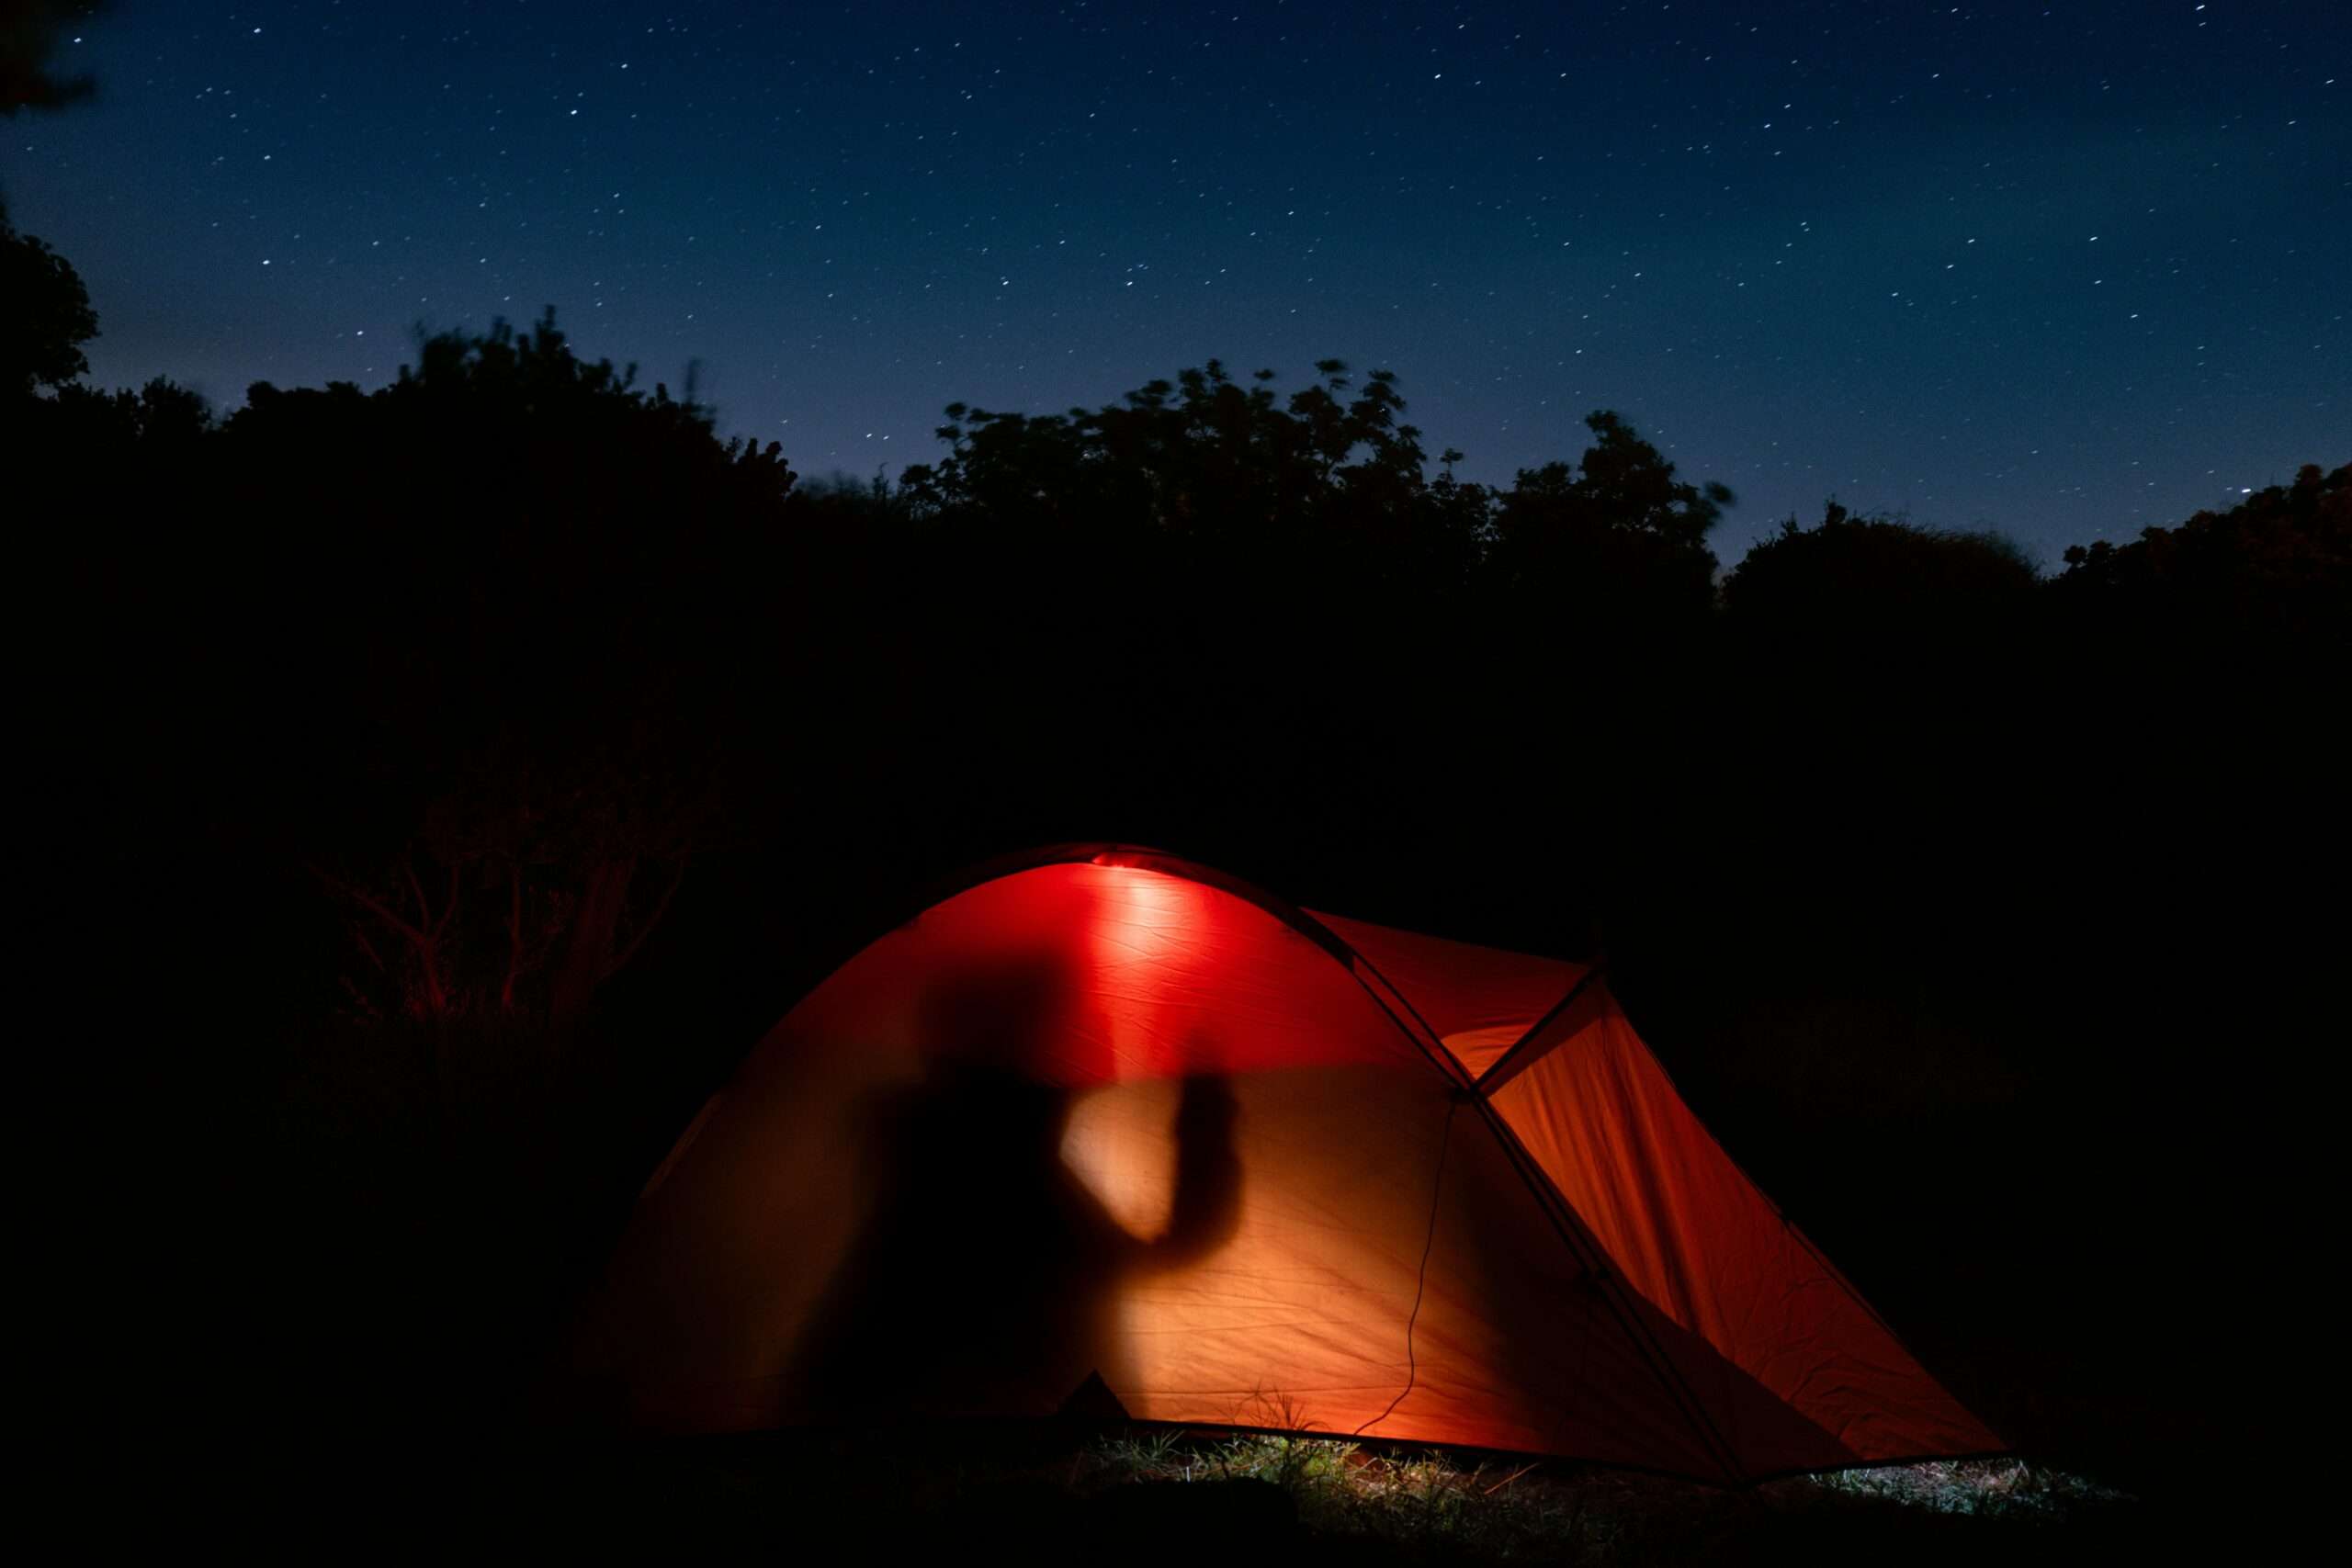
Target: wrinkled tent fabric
x,y
1111,1116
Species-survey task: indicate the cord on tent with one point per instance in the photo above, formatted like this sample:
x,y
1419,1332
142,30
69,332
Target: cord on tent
x,y
1421,1279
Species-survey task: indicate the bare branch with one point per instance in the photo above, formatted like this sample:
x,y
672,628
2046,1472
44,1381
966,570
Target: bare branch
x,y
514,938
359,999
645,926
362,898
423,904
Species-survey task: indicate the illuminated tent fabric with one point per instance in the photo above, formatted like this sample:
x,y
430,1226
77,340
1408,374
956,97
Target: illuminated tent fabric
x,y
1112,1126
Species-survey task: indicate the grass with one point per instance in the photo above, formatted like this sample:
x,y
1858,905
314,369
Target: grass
x,y
1340,1490
2000,1488
1431,1504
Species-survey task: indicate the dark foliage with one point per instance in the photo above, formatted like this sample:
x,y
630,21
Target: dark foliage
x,y
2267,578
1853,581
48,317
1614,536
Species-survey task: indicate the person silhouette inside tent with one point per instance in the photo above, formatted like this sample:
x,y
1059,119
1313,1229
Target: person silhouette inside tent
x,y
985,1280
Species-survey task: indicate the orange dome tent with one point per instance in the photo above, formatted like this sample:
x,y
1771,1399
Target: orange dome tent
x,y
1110,1127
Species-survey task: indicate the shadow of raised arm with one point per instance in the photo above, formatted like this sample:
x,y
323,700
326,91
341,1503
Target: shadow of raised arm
x,y
1206,1208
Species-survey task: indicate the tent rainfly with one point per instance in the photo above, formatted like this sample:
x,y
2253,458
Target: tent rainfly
x,y
1112,1133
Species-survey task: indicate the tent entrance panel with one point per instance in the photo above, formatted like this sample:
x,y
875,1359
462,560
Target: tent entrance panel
x,y
1689,1231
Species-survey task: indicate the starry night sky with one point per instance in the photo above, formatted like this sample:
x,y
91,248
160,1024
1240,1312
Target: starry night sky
x,y
2065,269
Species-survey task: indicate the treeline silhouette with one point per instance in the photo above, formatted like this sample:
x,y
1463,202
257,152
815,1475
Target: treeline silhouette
x,y
455,778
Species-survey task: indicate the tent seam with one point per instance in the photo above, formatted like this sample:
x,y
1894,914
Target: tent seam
x,y
1547,1195
1491,1080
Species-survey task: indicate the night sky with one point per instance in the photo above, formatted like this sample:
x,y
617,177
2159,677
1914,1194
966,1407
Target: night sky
x,y
2065,269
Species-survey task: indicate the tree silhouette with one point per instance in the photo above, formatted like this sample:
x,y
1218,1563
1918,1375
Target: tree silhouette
x,y
1617,521
2274,570
1855,579
47,317
1200,457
